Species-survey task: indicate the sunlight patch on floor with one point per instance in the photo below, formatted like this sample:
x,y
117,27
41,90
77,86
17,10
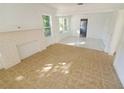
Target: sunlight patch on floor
x,y
49,69
82,43
62,68
70,43
76,43
48,64
42,72
19,78
90,43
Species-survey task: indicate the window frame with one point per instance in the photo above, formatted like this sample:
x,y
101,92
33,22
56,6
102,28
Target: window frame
x,y
50,23
68,23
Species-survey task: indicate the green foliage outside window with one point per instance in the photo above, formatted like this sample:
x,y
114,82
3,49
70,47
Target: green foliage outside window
x,y
46,24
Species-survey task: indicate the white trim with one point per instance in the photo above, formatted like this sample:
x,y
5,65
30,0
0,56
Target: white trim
x,y
47,27
68,26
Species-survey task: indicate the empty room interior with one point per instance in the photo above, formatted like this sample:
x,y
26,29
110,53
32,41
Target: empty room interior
x,y
61,45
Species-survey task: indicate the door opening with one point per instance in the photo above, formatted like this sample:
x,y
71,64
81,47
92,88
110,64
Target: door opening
x,y
83,27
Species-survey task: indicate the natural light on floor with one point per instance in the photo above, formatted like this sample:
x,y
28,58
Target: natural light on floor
x,y
19,78
48,69
76,43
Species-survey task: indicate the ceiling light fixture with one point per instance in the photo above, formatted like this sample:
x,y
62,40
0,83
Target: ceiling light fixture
x,y
80,3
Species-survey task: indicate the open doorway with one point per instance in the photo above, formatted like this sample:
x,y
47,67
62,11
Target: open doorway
x,y
83,27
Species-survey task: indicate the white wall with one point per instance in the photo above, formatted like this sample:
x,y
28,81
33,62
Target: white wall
x,y
117,45
99,25
30,34
108,30
119,60
8,54
27,16
96,24
118,29
16,39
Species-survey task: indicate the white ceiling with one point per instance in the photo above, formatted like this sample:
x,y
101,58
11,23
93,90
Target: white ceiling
x,y
73,7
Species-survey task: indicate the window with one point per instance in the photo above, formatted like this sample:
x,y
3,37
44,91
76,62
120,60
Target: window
x,y
46,25
64,24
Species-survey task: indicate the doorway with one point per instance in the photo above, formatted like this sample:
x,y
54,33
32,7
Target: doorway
x,y
83,27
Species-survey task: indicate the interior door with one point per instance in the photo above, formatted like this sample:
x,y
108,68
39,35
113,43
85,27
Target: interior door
x,y
83,27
